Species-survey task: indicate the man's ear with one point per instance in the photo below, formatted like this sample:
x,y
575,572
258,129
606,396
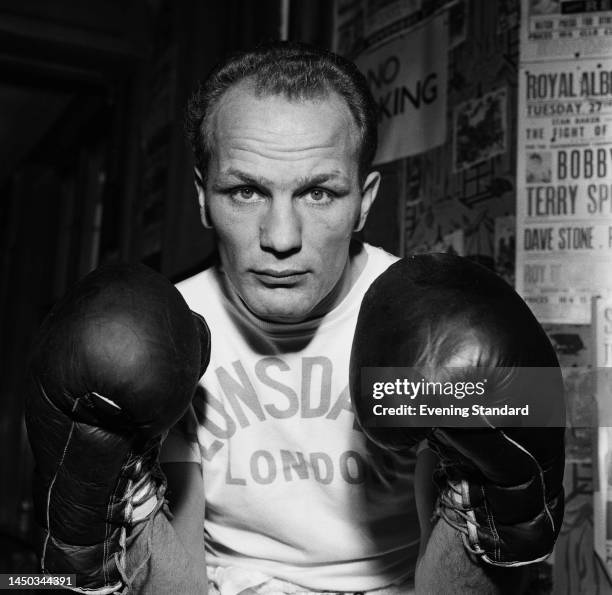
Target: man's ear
x,y
198,181
368,195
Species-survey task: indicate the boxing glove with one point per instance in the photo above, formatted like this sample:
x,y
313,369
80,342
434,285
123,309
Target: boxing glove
x,y
114,366
445,320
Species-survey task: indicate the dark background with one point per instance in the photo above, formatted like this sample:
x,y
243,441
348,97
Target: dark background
x,y
94,168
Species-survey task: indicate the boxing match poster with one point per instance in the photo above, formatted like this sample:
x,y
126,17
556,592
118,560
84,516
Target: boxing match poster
x,y
564,160
565,29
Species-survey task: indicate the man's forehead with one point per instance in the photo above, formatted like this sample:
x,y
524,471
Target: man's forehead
x,y
280,138
244,100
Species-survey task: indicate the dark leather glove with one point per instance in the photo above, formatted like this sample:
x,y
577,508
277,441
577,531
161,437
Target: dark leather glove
x,y
114,366
451,320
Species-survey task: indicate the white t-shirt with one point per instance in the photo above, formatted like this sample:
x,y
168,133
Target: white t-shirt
x,y
293,489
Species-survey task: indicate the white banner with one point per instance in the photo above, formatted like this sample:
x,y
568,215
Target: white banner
x,y
407,77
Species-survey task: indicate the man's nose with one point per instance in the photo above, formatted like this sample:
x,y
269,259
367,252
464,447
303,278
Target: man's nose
x,y
281,227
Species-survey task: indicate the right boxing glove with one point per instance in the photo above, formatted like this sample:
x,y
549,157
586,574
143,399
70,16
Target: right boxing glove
x,y
115,365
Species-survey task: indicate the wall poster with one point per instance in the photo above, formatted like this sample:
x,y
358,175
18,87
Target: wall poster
x,y
564,174
564,250
407,77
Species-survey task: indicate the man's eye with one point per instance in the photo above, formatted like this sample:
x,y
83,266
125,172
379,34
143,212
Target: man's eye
x,y
244,193
319,195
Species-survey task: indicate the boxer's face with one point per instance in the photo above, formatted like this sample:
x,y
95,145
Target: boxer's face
x,y
284,197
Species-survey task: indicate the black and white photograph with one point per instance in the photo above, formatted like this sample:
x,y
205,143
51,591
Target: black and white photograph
x,y
306,297
537,7
539,167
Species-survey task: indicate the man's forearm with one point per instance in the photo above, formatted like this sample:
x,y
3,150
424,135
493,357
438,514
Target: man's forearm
x,y
170,552
159,562
447,566
186,498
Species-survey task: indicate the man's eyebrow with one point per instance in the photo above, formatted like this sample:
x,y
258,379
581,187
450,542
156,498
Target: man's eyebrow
x,y
321,179
303,182
245,178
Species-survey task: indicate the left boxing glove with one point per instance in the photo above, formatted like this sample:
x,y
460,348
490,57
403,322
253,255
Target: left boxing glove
x,y
114,366
454,323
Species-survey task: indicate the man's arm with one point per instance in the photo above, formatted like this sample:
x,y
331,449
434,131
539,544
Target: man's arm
x,y
186,498
447,562
176,542
443,559
107,381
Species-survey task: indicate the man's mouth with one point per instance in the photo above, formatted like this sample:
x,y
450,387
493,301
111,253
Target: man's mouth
x,y
280,276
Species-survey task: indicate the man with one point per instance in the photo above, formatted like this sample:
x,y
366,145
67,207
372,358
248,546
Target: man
x,y
272,484
283,139
296,498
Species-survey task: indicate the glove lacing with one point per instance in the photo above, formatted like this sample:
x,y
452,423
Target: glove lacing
x,y
146,482
453,505
455,496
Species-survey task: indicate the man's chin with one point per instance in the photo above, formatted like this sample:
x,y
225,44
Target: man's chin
x,y
283,309
281,315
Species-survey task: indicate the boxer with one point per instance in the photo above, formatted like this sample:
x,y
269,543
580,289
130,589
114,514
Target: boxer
x,y
283,138
115,364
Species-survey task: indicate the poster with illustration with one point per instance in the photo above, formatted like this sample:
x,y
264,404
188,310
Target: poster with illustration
x,y
480,129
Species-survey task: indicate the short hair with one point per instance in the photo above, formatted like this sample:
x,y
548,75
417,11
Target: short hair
x,y
294,70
